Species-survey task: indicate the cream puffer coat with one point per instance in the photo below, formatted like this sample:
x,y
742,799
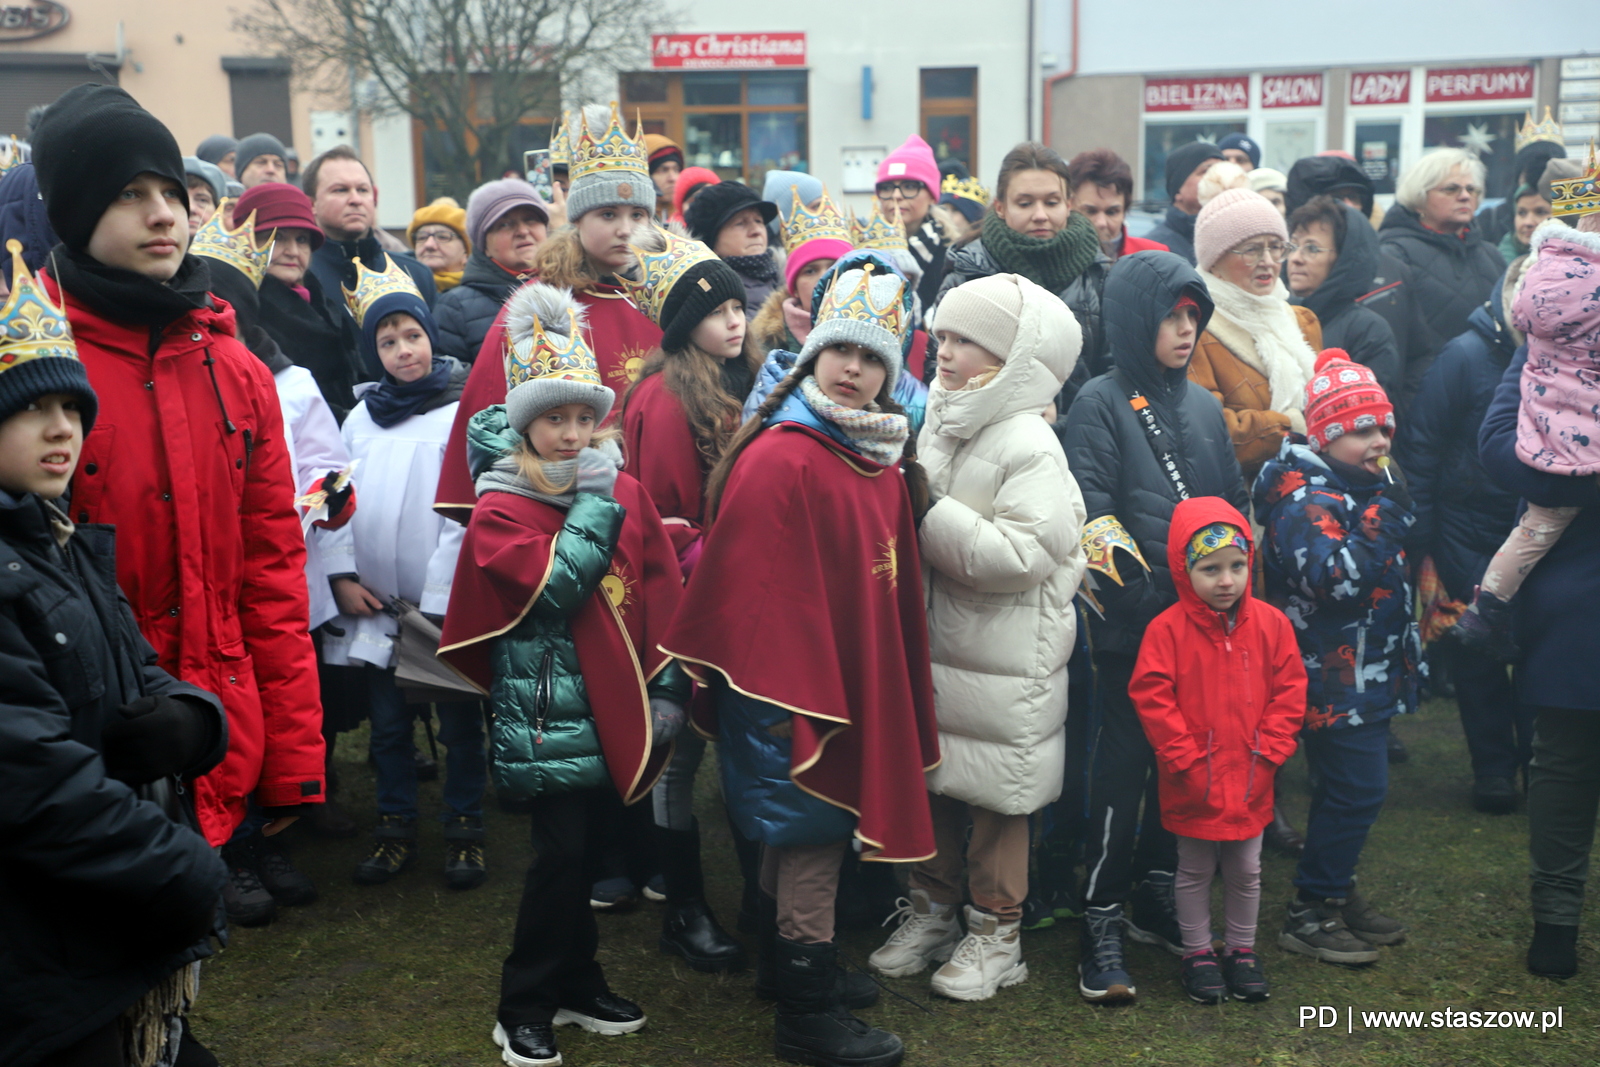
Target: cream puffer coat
x,y
1001,565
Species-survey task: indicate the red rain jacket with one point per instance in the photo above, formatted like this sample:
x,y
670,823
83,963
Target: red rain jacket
x,y
209,547
1221,706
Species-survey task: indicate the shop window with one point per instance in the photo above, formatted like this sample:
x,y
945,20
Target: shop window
x,y
740,124
1287,142
950,113
1492,137
1160,138
259,92
1377,149
439,174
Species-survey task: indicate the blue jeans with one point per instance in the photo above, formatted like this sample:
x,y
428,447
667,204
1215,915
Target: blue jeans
x,y
460,730
1350,769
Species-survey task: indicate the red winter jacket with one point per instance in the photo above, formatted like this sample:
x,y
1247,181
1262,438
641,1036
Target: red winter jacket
x,y
1132,244
1221,706
209,548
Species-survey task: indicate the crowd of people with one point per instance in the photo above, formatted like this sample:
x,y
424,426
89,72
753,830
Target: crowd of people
x,y
992,544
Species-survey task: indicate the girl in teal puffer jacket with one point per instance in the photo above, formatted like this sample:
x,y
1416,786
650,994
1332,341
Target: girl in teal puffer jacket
x,y
564,585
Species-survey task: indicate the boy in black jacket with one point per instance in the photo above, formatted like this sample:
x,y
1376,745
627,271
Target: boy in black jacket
x,y
108,891
1139,440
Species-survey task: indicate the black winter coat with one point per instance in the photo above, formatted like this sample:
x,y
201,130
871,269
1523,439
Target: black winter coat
x,y
1449,276
1554,609
1462,515
102,894
970,261
464,314
1176,231
317,335
1111,455
1346,323
333,267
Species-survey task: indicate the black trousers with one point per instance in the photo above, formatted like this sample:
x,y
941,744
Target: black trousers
x,y
552,962
1499,730
103,1048
1121,846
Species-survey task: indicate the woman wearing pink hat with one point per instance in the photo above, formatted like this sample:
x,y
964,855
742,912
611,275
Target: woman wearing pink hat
x,y
908,179
1257,351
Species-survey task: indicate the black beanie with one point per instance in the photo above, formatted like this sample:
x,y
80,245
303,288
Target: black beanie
x,y
716,204
257,144
705,287
94,140
1182,160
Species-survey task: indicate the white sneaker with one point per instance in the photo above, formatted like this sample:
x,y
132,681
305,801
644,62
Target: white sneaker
x,y
928,934
988,959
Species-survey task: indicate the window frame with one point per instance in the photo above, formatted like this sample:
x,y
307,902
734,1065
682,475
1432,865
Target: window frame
x,y
947,106
669,118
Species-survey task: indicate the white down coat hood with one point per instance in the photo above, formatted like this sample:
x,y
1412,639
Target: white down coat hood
x,y
1001,563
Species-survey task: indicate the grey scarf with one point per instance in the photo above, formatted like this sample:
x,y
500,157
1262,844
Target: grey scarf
x,y
504,477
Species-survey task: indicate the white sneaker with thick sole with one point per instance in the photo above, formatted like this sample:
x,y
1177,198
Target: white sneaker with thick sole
x,y
987,960
511,1058
927,934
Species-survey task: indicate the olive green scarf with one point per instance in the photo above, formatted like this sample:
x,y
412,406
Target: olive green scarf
x,y
1053,262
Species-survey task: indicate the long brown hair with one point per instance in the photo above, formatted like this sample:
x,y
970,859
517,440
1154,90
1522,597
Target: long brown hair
x,y
1029,155
694,376
916,477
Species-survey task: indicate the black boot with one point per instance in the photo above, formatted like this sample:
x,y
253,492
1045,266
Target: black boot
x,y
811,1025
1553,953
749,856
856,990
689,928
1281,836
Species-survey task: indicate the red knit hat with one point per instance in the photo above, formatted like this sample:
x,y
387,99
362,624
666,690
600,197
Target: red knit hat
x,y
1343,397
278,204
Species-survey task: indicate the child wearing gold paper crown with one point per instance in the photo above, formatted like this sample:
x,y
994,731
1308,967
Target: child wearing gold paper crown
x,y
565,583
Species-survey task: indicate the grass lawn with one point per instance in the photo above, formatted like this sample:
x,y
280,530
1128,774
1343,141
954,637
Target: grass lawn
x,y
409,973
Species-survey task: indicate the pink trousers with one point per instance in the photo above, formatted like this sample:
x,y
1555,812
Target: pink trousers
x,y
1241,880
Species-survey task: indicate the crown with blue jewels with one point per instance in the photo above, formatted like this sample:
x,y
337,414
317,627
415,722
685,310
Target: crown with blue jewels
x,y
1580,195
804,225
235,247
660,271
31,325
1548,130
373,285
855,303
547,355
614,151
879,233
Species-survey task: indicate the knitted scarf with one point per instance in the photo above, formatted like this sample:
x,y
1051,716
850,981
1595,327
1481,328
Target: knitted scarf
x,y
759,268
506,477
128,297
391,402
880,436
1282,354
1053,262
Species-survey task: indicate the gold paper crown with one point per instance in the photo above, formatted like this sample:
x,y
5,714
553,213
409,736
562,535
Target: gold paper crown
x,y
549,355
660,271
855,304
11,153
31,326
560,147
878,232
803,225
970,189
1580,195
1548,130
372,285
614,151
235,247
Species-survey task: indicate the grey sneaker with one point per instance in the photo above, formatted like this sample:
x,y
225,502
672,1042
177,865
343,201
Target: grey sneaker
x,y
1367,922
1318,929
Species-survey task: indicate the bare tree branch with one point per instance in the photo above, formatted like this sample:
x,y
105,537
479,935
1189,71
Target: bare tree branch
x,y
469,71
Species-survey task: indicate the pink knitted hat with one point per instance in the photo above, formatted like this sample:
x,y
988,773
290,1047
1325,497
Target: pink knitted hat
x,y
913,160
810,251
1231,218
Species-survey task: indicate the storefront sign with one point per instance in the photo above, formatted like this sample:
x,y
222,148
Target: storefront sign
x,y
727,51
1380,87
1197,94
25,21
1291,90
1479,83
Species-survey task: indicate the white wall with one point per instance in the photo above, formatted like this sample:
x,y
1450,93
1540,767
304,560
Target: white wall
x,y
1177,35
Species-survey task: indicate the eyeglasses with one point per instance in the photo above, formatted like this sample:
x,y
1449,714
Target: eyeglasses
x,y
1273,250
442,236
907,189
1310,251
1454,190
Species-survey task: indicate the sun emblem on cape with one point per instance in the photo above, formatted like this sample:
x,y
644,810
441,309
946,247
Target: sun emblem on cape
x,y
888,565
618,586
628,367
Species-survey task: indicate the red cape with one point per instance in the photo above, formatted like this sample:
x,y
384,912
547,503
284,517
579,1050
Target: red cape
x,y
621,337
505,561
661,453
808,595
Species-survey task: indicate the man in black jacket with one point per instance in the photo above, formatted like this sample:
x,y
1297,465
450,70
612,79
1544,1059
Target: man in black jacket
x,y
1463,517
1139,440
345,199
1186,164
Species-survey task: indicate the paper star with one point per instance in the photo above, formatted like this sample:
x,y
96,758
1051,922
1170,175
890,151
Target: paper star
x,y
1477,139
